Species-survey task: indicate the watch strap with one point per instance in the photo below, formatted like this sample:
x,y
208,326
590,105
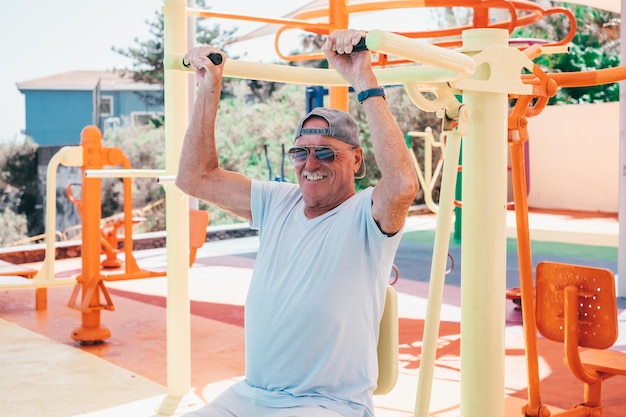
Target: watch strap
x,y
372,92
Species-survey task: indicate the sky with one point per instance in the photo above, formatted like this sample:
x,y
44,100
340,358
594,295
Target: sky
x,y
40,38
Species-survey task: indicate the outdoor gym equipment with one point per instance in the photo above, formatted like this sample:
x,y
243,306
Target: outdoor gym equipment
x,y
69,156
89,155
576,306
428,177
387,349
486,70
90,295
454,66
90,282
544,86
109,230
281,177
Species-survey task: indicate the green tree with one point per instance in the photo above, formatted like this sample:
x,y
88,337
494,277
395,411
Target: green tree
x,y
19,189
594,47
147,55
12,227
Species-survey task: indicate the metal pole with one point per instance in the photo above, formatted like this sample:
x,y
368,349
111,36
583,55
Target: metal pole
x,y
177,219
483,248
339,18
191,78
438,269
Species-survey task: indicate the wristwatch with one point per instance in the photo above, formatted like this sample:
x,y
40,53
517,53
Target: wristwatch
x,y
372,92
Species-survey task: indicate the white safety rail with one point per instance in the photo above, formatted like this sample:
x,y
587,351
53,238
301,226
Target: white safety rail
x,y
69,156
124,173
427,176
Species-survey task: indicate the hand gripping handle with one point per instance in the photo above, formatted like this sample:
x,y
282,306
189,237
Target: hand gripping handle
x,y
214,57
361,46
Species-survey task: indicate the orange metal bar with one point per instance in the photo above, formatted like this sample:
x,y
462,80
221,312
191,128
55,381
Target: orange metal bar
x,y
518,172
570,335
339,19
481,17
364,7
108,242
581,79
89,282
338,11
518,136
304,25
514,22
533,13
589,78
114,156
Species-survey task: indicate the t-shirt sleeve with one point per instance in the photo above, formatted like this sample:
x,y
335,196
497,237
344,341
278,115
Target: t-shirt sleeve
x,y
264,195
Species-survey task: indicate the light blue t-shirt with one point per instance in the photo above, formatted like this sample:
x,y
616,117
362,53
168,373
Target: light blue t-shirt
x,y
315,301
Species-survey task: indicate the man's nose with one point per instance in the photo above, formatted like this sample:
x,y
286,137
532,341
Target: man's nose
x,y
311,161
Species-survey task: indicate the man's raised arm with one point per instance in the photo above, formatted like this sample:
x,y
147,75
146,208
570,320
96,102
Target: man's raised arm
x,y
396,189
199,174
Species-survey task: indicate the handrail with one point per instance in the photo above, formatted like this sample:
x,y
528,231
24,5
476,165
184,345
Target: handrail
x,y
317,76
447,65
393,44
124,173
71,156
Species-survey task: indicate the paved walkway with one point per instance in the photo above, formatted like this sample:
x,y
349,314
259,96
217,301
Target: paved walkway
x,y
44,372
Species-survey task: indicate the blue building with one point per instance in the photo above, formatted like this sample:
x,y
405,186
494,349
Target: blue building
x,y
58,107
57,110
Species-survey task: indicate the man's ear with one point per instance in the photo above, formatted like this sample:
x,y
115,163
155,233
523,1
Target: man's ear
x,y
359,164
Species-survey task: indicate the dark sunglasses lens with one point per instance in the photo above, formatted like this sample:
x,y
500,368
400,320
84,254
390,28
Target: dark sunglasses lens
x,y
324,154
298,154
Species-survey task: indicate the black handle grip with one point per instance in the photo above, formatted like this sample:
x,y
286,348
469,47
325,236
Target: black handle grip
x,y
214,57
361,46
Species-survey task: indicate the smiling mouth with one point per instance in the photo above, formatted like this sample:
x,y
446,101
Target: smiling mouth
x,y
313,176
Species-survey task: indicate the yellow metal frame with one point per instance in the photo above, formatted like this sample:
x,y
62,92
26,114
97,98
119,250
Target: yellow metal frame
x,y
487,72
485,79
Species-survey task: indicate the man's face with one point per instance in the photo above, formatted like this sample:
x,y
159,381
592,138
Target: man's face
x,y
326,183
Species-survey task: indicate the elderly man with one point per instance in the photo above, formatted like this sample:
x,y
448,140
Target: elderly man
x,y
325,251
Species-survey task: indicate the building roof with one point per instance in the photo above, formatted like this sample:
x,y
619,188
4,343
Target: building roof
x,y
86,80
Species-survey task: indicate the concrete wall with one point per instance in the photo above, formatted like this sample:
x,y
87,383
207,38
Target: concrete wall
x,y
574,158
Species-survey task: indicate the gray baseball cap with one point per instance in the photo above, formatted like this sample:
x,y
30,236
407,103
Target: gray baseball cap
x,y
340,126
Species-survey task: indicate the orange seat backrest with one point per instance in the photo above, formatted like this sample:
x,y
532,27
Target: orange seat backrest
x,y
597,307
198,222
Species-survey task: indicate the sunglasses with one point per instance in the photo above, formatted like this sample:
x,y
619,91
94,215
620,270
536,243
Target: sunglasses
x,y
325,154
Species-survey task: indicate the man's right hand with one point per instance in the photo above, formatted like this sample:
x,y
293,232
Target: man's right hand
x,y
208,74
354,66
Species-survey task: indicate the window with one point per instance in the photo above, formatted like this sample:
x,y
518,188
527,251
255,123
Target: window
x,y
139,118
106,106
111,123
